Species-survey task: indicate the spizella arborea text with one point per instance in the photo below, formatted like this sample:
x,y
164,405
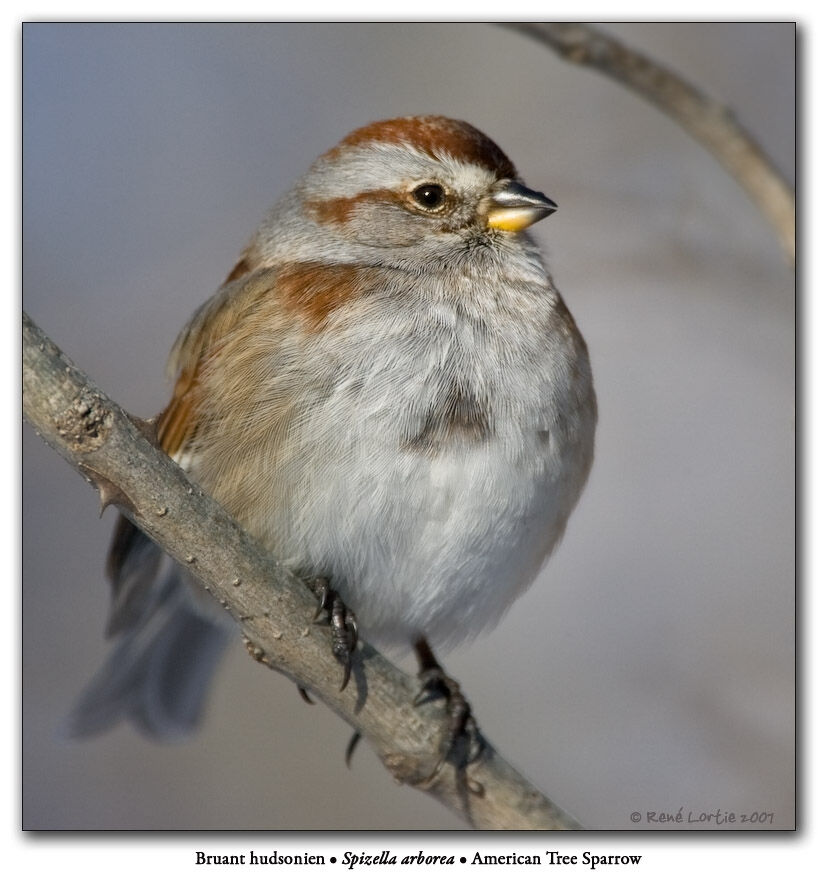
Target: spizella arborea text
x,y
388,392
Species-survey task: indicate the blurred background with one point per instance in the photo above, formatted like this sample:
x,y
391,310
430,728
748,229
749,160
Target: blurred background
x,y
651,667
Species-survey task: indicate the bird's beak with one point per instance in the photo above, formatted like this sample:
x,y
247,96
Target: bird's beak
x,y
513,207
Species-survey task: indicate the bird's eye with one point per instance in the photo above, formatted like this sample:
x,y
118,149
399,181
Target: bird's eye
x,y
430,197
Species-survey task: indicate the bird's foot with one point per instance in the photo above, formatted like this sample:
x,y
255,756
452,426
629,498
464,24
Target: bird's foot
x,y
332,612
463,743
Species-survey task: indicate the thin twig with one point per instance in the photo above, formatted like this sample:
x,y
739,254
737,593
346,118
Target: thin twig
x,y
274,609
709,122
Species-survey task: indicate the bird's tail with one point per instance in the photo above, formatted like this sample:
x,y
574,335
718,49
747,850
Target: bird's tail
x,y
167,645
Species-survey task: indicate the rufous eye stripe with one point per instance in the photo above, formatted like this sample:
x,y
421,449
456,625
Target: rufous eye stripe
x,y
340,209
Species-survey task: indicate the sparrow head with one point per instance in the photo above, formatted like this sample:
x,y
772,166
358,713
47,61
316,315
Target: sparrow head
x,y
423,185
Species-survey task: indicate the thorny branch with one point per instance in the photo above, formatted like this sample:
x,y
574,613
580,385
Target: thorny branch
x,y
273,608
705,119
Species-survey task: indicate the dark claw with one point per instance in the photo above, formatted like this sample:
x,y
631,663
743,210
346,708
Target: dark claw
x,y
353,742
320,588
342,622
347,662
344,636
305,696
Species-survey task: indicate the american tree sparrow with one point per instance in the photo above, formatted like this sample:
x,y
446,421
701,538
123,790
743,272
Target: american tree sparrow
x,y
389,392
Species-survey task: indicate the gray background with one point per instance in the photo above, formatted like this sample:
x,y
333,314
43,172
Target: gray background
x,y
652,665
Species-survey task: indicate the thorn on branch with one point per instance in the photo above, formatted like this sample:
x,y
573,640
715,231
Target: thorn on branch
x,y
109,492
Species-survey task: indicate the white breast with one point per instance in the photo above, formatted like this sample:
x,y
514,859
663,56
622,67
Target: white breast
x,y
436,539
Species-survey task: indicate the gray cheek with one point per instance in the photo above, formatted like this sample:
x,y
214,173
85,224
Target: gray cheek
x,y
442,237
386,227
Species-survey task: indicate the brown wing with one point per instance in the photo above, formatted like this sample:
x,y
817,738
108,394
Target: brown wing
x,y
133,559
176,424
201,339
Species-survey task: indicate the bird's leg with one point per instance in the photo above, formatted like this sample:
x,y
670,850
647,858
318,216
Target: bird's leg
x,y
464,742
344,628
341,621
